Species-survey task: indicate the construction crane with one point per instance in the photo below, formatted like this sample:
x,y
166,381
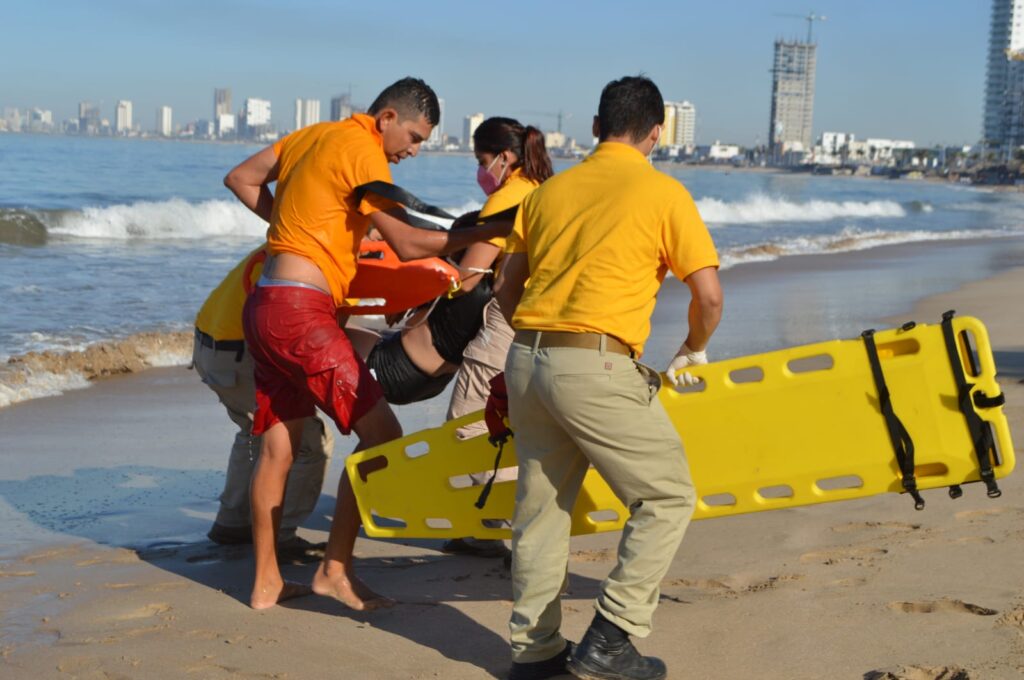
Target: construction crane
x,y
559,115
810,18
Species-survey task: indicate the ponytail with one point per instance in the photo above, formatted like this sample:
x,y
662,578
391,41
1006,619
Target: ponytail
x,y
534,159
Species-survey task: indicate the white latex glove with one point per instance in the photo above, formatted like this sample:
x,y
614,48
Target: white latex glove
x,y
685,357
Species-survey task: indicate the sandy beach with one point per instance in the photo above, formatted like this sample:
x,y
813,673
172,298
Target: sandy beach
x,y
859,589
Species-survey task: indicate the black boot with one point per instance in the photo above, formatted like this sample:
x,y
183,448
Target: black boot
x,y
605,653
541,670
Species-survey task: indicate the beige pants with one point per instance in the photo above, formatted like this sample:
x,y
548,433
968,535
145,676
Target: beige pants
x,y
572,408
231,378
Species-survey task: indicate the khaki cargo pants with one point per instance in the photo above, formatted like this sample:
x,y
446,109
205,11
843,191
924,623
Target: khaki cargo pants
x,y
571,408
231,378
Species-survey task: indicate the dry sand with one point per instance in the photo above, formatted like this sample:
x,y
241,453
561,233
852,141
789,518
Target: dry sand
x,y
860,589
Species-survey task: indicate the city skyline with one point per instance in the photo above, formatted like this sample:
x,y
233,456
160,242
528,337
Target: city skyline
x,y
889,71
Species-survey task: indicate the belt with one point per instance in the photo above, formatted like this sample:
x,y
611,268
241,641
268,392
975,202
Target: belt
x,y
236,346
578,340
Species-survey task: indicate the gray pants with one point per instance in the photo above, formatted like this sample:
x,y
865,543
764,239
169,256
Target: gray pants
x,y
231,378
571,408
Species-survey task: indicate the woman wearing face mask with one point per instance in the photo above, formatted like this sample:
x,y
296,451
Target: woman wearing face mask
x,y
513,161
419,362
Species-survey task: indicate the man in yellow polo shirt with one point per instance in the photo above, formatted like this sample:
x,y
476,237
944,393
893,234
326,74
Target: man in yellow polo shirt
x,y
303,360
596,242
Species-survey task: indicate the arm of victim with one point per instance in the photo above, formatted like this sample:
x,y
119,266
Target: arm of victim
x,y
250,180
410,243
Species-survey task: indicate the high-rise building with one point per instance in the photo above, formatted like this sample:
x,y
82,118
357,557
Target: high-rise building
x,y
341,107
88,118
256,116
224,125
221,102
469,126
680,124
307,112
163,121
123,117
1004,84
792,97
436,138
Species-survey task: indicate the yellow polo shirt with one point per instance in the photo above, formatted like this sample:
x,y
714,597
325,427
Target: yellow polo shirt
x,y
315,212
220,317
599,238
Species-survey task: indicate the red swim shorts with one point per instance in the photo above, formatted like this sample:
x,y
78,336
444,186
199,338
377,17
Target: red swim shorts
x,y
304,360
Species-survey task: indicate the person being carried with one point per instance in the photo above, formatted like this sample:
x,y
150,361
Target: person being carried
x,y
596,242
220,357
303,359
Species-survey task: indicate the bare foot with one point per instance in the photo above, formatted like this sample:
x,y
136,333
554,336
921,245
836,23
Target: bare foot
x,y
267,596
349,590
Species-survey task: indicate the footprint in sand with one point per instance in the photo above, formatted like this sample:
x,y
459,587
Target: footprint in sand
x,y
734,585
16,574
971,515
919,673
841,554
944,605
120,556
155,609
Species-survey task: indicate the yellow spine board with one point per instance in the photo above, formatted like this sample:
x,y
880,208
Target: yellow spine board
x,y
787,428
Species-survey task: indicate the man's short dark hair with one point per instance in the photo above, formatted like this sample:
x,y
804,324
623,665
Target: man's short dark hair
x,y
411,97
630,106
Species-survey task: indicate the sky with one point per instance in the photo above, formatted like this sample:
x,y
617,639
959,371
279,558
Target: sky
x,y
901,69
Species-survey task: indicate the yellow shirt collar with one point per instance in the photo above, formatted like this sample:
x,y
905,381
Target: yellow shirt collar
x,y
620,151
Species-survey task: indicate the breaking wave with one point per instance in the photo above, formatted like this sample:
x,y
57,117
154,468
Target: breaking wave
x,y
761,209
847,240
52,372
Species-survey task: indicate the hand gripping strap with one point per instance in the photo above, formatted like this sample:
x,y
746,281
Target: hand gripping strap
x,y
902,444
981,430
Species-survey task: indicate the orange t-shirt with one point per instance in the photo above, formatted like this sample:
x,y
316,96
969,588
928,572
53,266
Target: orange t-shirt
x,y
316,214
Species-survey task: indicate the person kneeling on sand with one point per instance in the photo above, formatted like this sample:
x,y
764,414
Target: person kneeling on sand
x,y
303,360
220,357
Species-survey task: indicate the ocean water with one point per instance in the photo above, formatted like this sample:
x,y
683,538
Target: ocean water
x,y
104,238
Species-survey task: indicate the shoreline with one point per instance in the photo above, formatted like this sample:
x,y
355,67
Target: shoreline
x,y
43,374
138,460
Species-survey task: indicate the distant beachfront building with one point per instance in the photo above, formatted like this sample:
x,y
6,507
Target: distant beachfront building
x,y
221,101
307,112
436,138
341,107
163,121
792,117
224,125
88,118
40,120
1004,86
123,117
255,116
13,119
469,126
680,124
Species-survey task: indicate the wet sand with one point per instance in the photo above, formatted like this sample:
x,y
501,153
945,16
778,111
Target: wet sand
x,y
859,589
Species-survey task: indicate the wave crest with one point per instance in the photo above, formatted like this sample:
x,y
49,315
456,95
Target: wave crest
x,y
847,240
171,219
760,209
